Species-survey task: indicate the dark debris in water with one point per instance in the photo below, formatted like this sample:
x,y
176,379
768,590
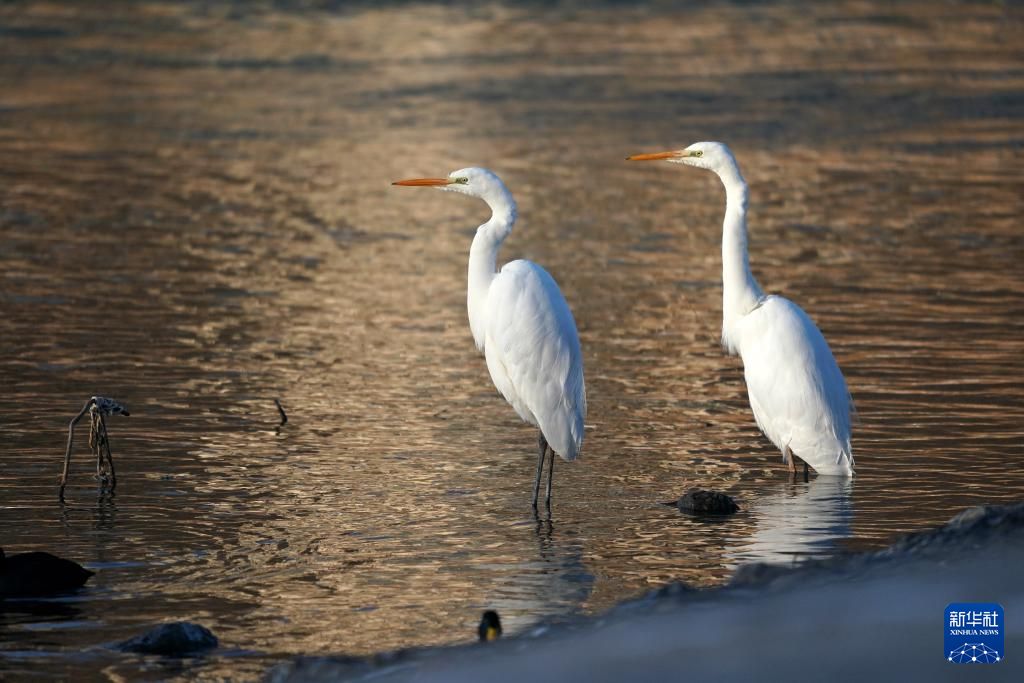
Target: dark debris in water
x,y
98,408
175,639
39,573
280,411
704,502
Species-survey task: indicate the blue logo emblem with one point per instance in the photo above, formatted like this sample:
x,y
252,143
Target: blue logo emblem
x,y
974,633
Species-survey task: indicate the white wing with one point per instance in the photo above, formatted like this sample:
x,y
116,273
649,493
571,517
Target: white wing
x,y
797,392
533,354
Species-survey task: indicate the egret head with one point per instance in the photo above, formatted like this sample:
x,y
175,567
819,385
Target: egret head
x,y
713,156
476,182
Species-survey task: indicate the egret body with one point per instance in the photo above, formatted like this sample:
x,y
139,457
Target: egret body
x,y
523,326
797,392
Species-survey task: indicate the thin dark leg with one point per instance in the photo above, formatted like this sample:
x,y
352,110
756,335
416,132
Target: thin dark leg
x,y
806,479
110,457
543,446
551,475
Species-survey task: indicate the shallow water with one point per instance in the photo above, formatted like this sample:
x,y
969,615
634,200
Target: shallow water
x,y
196,218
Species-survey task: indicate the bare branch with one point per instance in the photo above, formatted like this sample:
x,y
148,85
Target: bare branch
x,y
98,408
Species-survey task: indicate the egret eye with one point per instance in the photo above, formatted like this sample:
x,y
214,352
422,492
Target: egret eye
x,y
461,181
698,153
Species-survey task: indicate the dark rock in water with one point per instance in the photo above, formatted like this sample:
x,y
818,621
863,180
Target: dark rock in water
x,y
701,502
176,639
33,574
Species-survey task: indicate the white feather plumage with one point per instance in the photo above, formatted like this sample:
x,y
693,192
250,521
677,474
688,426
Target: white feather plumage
x,y
522,324
533,354
797,392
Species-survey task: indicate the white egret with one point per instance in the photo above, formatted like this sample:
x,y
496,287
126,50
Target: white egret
x,y
522,324
797,392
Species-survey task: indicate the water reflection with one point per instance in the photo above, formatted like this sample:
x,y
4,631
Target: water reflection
x,y
104,513
551,585
62,609
195,218
797,520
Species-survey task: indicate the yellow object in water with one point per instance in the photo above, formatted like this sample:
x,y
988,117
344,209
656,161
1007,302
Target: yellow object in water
x,y
490,626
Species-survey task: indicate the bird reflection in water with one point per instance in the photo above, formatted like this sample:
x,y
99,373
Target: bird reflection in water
x,y
797,521
104,514
553,585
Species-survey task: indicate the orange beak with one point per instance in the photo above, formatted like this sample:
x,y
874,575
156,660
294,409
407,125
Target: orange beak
x,y
423,182
653,156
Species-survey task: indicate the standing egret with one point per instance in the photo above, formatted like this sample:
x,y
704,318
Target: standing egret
x,y
523,325
797,392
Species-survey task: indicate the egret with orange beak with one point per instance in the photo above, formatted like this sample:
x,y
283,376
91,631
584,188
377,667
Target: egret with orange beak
x,y
523,326
797,392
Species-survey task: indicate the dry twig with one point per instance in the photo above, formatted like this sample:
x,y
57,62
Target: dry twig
x,y
98,408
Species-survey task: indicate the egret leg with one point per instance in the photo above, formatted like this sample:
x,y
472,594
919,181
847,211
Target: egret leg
x,y
787,455
543,445
806,478
551,474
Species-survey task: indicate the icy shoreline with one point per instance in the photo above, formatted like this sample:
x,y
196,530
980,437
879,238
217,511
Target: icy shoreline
x,y
840,619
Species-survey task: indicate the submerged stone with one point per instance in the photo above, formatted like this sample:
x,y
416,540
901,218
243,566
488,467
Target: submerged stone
x,y
702,502
37,573
176,639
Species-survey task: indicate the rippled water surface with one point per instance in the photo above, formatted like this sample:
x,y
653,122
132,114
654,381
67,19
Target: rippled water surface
x,y
196,218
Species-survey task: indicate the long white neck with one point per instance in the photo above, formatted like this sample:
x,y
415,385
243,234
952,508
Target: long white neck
x,y
740,291
483,258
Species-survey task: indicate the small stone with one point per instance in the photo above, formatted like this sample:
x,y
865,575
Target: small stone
x,y
701,502
176,639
